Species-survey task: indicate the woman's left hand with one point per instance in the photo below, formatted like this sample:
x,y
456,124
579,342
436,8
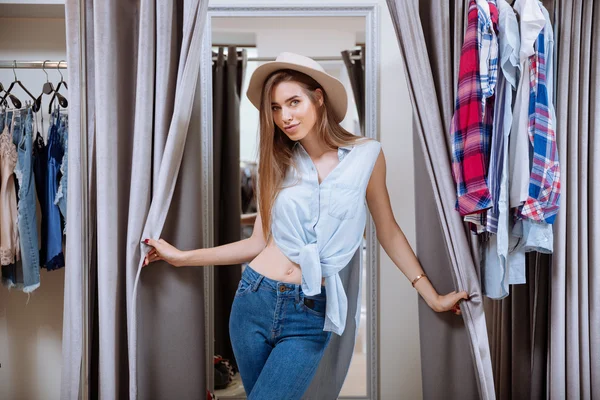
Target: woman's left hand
x,y
450,302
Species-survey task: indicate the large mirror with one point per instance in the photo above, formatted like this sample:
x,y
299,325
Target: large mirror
x,y
237,40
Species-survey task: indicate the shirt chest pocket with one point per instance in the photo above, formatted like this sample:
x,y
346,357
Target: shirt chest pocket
x,y
343,201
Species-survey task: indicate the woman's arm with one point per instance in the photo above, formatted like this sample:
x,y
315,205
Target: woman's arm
x,y
227,254
394,242
248,219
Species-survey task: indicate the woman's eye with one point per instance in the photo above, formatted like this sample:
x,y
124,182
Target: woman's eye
x,y
274,108
294,102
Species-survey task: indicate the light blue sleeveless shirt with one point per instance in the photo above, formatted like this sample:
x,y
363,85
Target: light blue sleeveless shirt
x,y
321,226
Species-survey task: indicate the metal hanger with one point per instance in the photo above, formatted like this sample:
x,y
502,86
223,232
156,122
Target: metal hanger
x,y
14,100
47,89
2,90
61,99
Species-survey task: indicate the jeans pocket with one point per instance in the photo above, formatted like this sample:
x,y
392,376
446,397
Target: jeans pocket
x,y
243,288
314,305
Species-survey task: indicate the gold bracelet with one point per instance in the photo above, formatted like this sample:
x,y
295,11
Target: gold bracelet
x,y
417,278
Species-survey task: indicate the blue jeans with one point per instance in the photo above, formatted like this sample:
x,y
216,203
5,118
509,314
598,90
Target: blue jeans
x,y
28,234
54,257
277,336
61,193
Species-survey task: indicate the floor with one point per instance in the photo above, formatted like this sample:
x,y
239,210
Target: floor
x,y
355,384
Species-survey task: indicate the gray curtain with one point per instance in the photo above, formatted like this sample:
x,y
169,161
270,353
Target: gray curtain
x,y
228,76
355,64
519,331
455,355
575,300
143,66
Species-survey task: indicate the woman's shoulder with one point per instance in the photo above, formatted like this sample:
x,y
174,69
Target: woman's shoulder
x,y
368,142
365,140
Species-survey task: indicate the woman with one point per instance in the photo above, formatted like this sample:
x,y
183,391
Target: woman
x,y
313,179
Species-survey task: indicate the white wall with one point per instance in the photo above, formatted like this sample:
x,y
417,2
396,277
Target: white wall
x,y
31,329
400,366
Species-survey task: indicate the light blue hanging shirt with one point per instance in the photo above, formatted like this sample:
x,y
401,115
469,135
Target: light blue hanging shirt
x,y
321,226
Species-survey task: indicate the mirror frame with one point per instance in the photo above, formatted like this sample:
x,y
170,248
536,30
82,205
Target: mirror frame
x,y
371,15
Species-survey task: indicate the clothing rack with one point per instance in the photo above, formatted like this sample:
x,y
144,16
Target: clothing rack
x,y
10,64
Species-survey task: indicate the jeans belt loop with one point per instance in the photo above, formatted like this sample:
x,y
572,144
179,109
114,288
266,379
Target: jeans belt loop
x,y
256,283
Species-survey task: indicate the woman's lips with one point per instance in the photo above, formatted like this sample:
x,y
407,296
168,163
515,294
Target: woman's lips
x,y
291,128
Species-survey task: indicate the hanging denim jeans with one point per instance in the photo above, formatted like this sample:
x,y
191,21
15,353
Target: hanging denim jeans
x,y
28,234
54,254
61,194
40,166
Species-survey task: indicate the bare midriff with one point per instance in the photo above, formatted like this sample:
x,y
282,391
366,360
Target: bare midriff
x,y
272,263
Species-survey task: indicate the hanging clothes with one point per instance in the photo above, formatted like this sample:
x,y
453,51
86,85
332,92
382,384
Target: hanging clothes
x,y
27,200
40,167
497,265
544,184
32,174
54,257
9,233
61,193
504,158
508,78
532,22
9,272
503,259
470,131
535,229
487,43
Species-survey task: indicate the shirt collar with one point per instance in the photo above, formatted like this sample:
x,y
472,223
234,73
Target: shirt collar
x,y
345,148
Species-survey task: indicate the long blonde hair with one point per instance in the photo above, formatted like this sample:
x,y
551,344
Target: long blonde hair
x,y
275,154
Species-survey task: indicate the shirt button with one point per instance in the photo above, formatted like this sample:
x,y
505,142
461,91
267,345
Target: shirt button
x,y
282,288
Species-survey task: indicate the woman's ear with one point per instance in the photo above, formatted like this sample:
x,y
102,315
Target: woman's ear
x,y
319,96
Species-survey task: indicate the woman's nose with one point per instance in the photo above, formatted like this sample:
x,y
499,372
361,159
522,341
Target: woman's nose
x,y
287,116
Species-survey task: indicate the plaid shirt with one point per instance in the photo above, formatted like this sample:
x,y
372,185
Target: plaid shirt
x,y
487,43
544,184
471,124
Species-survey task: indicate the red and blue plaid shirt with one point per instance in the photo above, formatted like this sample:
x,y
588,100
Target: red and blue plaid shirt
x,y
544,183
471,124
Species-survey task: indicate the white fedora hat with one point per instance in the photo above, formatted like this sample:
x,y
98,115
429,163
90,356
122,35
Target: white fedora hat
x,y
336,92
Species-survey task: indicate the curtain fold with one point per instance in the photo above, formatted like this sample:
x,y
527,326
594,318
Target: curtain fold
x,y
355,65
143,66
574,354
519,328
447,368
72,335
228,76
430,36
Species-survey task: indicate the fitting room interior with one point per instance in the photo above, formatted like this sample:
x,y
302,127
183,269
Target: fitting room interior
x,y
76,336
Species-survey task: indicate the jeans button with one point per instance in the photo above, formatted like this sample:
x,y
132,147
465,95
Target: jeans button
x,y
282,288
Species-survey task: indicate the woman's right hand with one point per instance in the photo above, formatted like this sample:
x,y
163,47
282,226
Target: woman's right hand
x,y
161,250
